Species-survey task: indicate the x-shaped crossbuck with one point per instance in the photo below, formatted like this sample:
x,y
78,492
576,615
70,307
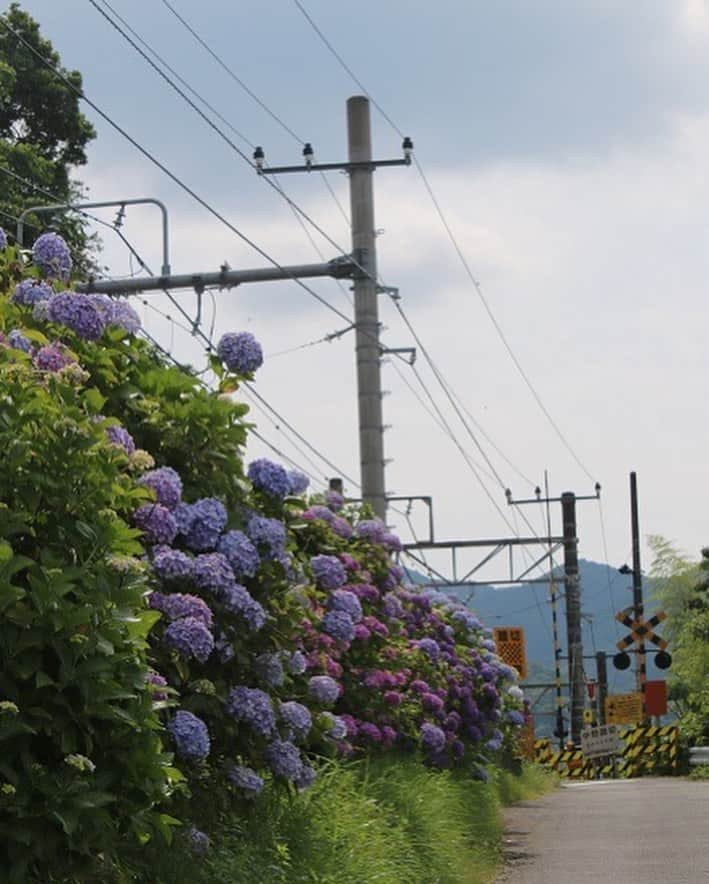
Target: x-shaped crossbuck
x,y
641,630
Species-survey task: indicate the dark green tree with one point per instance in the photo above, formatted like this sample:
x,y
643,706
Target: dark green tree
x,y
43,136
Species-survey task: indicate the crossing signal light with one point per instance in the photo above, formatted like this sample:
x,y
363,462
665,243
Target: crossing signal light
x,y
622,660
663,660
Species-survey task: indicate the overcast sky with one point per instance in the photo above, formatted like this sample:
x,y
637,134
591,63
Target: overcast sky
x,y
567,143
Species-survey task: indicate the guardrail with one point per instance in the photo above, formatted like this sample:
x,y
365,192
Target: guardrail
x,y
699,755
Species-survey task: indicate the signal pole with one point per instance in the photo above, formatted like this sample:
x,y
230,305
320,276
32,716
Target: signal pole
x,y
638,607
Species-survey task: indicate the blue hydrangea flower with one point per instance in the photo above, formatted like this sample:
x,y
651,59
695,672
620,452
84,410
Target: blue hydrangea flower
x,y
198,842
178,604
238,600
372,530
212,572
246,779
171,564
202,522
117,312
190,638
166,484
392,606
298,482
3,240
240,552
323,689
297,719
430,647
298,663
269,477
338,731
433,739
329,572
269,670
252,707
494,744
341,527
339,625
392,541
156,522
317,511
516,718
51,358
51,254
240,352
18,341
120,436
284,760
76,311
307,777
190,735
30,292
344,600
269,535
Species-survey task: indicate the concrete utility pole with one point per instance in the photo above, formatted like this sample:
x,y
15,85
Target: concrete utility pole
x,y
369,385
573,612
638,607
602,689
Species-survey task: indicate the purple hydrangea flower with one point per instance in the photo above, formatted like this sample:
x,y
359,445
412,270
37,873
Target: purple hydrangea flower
x,y
269,535
297,482
344,600
119,436
240,552
284,760
178,604
171,564
3,240
323,689
51,254
253,707
269,477
240,352
334,501
369,731
212,572
247,780
269,670
166,484
298,663
51,358
430,647
30,292
156,522
18,341
318,512
432,738
198,842
157,681
238,600
339,625
392,606
202,523
190,735
338,731
341,527
307,777
431,702
372,530
392,541
190,638
329,572
78,313
125,317
297,719
516,718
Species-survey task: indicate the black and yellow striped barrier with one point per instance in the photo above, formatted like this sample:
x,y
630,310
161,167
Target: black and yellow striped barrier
x,y
647,751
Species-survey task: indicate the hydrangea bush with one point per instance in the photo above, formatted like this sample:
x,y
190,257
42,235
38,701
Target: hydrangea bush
x,y
264,630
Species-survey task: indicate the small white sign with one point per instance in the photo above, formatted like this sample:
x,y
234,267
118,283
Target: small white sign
x,y
599,741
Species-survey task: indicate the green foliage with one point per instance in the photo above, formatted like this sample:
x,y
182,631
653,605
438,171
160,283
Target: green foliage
x,y
43,134
682,587
388,820
81,762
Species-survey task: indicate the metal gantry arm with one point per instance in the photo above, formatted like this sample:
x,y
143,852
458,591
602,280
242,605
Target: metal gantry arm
x,y
79,207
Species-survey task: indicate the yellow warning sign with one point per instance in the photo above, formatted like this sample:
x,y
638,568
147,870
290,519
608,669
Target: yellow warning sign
x,y
624,708
511,647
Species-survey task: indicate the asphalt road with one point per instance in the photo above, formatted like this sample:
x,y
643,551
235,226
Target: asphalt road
x,y
614,832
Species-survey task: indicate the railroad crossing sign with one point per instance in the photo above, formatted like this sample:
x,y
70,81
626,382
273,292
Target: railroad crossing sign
x,y
641,630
